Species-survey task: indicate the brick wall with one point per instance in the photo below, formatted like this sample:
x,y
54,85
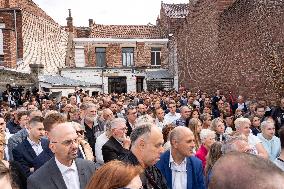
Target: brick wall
x,y
113,55
39,38
10,52
236,46
142,54
197,47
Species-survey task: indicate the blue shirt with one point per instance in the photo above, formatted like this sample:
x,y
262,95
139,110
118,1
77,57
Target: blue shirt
x,y
272,146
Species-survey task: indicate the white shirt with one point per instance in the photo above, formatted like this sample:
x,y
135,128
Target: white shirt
x,y
6,150
36,146
179,175
170,118
82,151
160,124
252,141
69,174
101,140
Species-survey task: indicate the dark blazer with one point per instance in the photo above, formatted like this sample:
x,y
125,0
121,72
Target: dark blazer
x,y
50,177
129,128
25,154
42,158
112,149
235,106
195,179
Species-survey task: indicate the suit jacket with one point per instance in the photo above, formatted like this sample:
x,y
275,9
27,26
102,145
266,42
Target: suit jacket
x,y
50,177
16,139
235,106
42,158
45,156
112,149
195,179
25,154
129,128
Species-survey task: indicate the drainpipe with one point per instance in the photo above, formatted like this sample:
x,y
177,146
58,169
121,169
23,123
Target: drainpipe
x,y
16,33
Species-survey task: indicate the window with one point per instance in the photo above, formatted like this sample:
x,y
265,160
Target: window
x,y
128,57
156,56
100,56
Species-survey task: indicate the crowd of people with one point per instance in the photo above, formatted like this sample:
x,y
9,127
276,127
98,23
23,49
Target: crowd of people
x,y
149,140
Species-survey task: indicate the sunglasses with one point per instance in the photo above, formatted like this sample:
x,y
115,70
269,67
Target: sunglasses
x,y
80,132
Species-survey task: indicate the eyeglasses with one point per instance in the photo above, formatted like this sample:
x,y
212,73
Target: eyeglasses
x,y
80,132
122,129
68,142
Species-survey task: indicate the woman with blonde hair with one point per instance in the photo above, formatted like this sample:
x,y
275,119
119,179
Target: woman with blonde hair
x,y
195,126
243,128
116,174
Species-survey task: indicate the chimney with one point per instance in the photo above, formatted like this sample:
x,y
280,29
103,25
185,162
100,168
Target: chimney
x,y
91,22
70,21
36,69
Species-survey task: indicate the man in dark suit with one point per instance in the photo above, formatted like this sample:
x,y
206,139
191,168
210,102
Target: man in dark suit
x,y
240,104
32,146
64,171
131,114
118,144
146,149
49,122
180,168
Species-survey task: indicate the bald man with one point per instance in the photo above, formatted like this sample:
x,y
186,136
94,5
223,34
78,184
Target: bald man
x,y
249,171
181,169
64,171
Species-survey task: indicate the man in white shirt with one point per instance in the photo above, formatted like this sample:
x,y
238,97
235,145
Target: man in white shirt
x,y
5,130
101,140
65,170
172,115
181,169
32,146
160,118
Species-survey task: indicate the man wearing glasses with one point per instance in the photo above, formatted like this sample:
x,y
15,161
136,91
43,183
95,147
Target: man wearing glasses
x,y
64,170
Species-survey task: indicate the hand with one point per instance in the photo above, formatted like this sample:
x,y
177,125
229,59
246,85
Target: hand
x,y
126,143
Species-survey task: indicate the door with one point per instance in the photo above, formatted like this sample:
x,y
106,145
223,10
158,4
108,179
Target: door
x,y
117,85
139,84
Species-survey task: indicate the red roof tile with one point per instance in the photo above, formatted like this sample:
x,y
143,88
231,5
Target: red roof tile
x,y
125,31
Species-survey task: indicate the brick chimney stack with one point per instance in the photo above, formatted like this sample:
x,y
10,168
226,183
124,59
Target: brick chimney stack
x,y
91,22
70,21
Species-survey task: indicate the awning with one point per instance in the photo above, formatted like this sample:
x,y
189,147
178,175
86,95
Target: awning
x,y
158,74
63,81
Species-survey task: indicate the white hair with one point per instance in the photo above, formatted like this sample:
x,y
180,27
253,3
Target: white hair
x,y
241,121
144,119
116,121
205,133
265,124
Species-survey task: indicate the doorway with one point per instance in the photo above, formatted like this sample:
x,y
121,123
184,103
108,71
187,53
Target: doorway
x,y
117,85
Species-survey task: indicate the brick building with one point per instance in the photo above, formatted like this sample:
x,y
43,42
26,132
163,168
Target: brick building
x,y
121,58
31,42
29,36
233,45
170,20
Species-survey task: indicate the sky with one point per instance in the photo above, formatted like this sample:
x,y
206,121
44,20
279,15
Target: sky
x,y
115,12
